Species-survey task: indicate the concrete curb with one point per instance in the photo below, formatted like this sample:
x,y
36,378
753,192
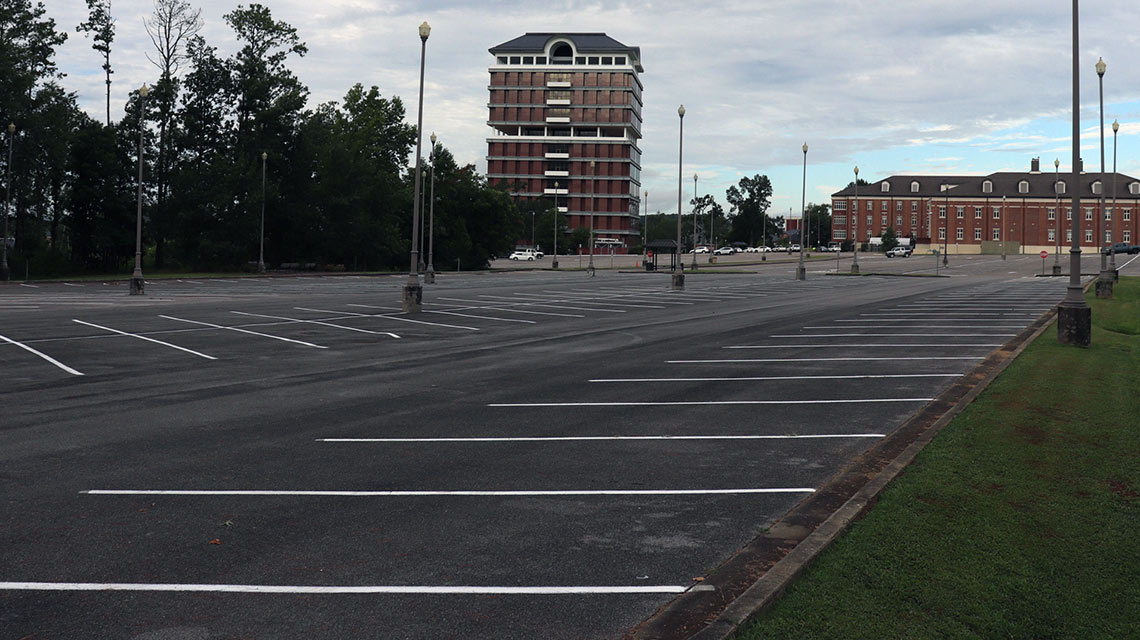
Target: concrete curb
x,y
773,560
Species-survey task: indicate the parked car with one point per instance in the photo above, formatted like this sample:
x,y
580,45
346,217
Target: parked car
x,y
725,251
792,248
699,250
901,252
834,247
525,254
1121,247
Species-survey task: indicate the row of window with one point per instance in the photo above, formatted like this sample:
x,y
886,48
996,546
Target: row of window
x,y
576,150
561,59
539,114
539,79
841,234
575,96
1126,216
1022,187
577,169
841,205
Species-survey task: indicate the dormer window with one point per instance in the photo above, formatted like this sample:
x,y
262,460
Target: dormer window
x,y
885,187
1059,187
987,187
1023,186
1096,187
1134,188
914,186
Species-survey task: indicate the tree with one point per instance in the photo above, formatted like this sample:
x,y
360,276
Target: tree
x,y
818,222
171,27
707,209
750,202
101,26
890,240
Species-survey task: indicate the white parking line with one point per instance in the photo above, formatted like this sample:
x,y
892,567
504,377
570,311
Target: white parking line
x,y
330,590
927,326
822,359
254,333
701,403
507,308
68,284
414,494
597,438
552,306
389,317
889,335
30,286
325,324
141,337
449,313
42,355
742,379
852,346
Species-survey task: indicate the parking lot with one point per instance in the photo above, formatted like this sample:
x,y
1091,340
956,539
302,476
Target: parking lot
x,y
538,454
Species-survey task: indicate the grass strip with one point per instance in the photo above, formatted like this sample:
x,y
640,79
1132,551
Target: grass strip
x,y
1020,520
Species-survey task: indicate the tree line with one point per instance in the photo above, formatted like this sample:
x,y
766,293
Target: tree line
x,y
221,136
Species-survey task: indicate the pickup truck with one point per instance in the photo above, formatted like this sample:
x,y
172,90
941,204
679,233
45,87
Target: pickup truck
x,y
902,252
1121,247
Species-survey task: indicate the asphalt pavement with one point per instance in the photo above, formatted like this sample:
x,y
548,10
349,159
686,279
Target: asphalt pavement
x,y
538,454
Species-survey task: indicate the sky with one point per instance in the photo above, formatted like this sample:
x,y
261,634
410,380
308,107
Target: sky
x,y
896,87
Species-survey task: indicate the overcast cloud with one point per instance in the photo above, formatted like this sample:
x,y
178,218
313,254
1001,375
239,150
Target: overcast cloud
x,y
920,86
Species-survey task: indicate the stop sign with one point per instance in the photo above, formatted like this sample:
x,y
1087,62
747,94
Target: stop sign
x,y
1044,254
649,254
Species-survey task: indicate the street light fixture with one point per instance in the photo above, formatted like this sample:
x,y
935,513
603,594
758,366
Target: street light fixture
x,y
695,224
801,273
946,229
1103,290
644,223
261,247
590,267
429,277
4,271
1057,225
678,269
1115,213
137,282
855,227
1074,317
1001,221
413,290
554,260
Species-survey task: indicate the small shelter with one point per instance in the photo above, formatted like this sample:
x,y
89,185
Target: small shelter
x,y
656,250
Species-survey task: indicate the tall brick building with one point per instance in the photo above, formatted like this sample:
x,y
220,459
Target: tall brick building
x,y
558,102
976,214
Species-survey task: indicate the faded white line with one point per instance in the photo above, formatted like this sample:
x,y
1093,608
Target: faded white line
x,y
68,284
852,346
42,355
390,317
324,324
701,403
821,359
750,378
141,337
30,286
926,326
254,333
330,590
605,438
552,306
891,335
413,494
505,308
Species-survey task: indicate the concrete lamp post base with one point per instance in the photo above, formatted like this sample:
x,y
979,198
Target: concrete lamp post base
x,y
855,269
1074,325
554,263
429,277
137,285
413,298
1104,285
1056,269
678,281
801,272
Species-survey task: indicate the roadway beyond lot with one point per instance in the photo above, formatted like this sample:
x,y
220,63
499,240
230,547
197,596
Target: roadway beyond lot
x,y
539,454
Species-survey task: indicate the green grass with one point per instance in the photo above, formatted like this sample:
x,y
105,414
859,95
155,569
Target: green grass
x,y
1020,520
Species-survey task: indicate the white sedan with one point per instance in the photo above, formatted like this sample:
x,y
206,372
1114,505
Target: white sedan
x,y
725,251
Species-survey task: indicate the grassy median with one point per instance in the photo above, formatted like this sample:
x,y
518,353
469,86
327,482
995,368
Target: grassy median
x,y
1020,520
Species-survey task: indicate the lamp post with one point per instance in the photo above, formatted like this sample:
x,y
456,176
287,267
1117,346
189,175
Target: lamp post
x,y
678,270
1115,213
4,272
1074,317
644,223
1001,221
137,282
413,290
801,273
946,232
855,227
261,246
554,260
429,277
695,224
590,267
1102,290
1057,225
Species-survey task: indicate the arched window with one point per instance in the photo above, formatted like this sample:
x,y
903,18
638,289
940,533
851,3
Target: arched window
x,y
914,186
1096,187
562,53
987,187
1023,186
1134,188
886,187
1059,187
